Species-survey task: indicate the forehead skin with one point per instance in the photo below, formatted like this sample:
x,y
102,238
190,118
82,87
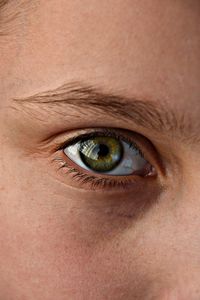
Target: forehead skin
x,y
145,48
149,49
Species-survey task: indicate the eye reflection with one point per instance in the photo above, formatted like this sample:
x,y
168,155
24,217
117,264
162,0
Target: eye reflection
x,y
101,154
108,155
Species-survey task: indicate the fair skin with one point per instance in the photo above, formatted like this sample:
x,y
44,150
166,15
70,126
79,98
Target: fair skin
x,y
63,239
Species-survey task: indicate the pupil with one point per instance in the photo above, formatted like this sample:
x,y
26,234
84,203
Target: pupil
x,y
103,150
101,154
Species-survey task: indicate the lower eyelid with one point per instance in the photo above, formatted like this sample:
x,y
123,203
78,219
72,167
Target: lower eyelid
x,y
129,202
115,202
83,179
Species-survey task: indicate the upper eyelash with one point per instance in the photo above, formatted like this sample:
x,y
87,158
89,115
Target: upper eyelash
x,y
103,132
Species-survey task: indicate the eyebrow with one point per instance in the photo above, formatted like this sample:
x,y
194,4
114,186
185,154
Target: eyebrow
x,y
3,2
152,115
13,15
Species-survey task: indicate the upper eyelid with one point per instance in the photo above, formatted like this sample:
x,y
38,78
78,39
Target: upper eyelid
x,y
103,132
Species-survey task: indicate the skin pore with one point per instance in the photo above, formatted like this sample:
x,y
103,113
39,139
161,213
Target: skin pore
x,y
70,68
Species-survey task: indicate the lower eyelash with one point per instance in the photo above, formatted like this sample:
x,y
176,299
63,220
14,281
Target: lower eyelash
x,y
94,182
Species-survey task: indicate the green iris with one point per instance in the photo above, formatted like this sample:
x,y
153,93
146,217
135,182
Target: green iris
x,y
101,154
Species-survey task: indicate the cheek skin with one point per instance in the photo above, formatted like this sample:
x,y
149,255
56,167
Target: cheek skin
x,y
49,244
45,245
41,251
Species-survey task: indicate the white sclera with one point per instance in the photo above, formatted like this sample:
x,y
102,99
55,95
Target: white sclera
x,y
131,162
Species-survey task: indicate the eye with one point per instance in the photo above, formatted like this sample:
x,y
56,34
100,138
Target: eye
x,y
107,159
108,155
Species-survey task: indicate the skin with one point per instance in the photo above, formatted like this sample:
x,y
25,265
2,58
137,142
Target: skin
x,y
58,239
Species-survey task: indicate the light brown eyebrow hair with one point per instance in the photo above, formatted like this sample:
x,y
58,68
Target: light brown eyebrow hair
x,y
81,98
9,11
3,2
14,16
